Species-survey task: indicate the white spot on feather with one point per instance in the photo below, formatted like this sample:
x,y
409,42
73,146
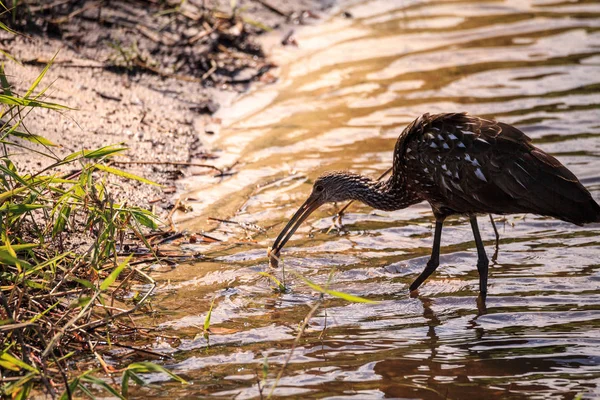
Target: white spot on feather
x,y
523,169
461,145
445,146
456,186
479,174
433,145
452,137
517,179
444,184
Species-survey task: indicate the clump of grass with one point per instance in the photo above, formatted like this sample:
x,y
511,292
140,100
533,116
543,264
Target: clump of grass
x,y
130,373
65,243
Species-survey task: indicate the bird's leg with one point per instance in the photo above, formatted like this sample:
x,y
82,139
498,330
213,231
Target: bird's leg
x,y
434,261
482,259
495,256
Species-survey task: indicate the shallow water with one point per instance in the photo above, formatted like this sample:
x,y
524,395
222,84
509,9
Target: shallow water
x,y
341,105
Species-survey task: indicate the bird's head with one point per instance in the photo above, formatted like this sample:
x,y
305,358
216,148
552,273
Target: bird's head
x,y
336,186
329,187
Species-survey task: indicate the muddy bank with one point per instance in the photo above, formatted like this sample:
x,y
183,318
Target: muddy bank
x,y
146,74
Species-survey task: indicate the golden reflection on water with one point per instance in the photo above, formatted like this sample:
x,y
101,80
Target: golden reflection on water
x,y
340,105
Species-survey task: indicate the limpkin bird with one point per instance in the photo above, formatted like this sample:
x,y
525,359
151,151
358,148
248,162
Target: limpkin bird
x,y
460,164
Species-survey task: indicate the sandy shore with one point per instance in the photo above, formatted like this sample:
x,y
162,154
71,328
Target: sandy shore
x,y
164,119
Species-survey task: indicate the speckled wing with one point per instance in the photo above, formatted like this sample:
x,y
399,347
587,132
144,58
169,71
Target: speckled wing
x,y
465,164
444,158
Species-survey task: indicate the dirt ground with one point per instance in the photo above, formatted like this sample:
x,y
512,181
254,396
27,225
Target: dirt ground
x,y
137,73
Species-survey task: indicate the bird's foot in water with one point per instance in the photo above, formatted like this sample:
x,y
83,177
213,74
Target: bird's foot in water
x,y
337,224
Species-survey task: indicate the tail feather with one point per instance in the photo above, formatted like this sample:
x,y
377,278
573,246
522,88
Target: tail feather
x,y
585,213
540,184
595,212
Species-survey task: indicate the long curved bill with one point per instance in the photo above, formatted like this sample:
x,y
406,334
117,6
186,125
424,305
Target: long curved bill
x,y
297,219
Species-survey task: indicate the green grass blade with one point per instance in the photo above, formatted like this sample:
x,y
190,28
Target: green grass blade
x,y
125,383
72,387
84,283
10,193
99,382
20,247
33,138
19,209
46,311
10,360
24,391
16,101
134,377
19,389
335,293
103,152
350,297
110,279
8,255
145,217
124,174
9,170
127,375
9,366
207,319
7,29
145,367
277,282
64,212
10,56
37,81
45,264
86,391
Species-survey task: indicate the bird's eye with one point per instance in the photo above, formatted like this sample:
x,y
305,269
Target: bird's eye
x,y
318,188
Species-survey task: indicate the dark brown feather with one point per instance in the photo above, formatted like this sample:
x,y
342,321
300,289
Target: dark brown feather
x,y
465,164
